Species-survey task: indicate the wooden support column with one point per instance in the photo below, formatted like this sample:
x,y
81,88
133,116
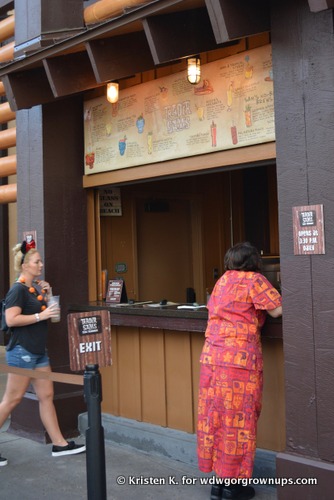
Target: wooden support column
x,y
174,36
52,201
233,19
39,23
4,256
4,235
318,5
303,46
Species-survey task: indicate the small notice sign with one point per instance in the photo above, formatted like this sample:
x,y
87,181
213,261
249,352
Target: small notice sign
x,y
110,202
308,230
116,292
89,339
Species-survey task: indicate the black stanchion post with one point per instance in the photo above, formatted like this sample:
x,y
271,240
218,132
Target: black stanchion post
x,y
95,452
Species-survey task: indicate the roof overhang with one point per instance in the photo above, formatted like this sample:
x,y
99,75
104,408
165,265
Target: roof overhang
x,y
148,36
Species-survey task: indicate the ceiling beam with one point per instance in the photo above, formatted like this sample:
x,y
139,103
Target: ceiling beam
x,y
233,19
70,74
319,5
120,56
26,89
40,23
5,6
178,35
96,31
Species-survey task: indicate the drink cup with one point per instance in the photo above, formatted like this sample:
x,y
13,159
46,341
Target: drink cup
x,y
55,299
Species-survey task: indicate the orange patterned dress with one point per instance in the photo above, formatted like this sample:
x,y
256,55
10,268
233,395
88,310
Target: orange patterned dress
x,y
230,391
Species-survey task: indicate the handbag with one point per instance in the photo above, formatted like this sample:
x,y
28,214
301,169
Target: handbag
x,y
5,330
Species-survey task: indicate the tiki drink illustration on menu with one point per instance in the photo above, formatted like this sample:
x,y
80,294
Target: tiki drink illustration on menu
x,y
229,94
140,123
248,69
200,112
248,115
89,153
234,134
122,145
150,143
213,128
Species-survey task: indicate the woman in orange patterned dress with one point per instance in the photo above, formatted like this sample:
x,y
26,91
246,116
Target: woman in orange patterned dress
x,y
230,391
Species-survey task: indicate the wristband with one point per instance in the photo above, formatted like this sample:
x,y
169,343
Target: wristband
x,y
37,317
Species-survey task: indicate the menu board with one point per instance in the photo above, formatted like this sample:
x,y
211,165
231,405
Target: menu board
x,y
232,106
116,292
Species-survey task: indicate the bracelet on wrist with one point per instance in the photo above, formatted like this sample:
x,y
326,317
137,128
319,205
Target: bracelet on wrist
x,y
37,317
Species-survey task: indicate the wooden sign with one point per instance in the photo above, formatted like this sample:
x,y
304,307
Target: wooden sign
x,y
308,230
89,339
110,202
116,292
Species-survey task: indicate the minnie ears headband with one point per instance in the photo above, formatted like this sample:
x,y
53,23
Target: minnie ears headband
x,y
25,247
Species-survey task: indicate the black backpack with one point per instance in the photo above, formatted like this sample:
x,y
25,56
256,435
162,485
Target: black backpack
x,y
3,323
5,330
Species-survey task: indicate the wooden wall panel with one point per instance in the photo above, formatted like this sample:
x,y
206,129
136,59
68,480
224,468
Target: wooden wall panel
x,y
213,220
223,52
271,425
91,245
152,375
179,381
154,378
118,245
128,367
196,346
110,378
273,211
257,40
237,208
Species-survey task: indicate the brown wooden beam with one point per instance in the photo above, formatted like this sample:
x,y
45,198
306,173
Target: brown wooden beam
x,y
26,89
5,6
178,35
119,56
233,19
41,24
319,5
70,74
4,235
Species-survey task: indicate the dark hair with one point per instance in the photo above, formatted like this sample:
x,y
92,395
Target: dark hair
x,y
243,257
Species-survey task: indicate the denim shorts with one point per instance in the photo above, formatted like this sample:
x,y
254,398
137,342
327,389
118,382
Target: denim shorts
x,y
21,358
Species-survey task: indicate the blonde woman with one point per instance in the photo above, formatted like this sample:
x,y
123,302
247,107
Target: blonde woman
x,y
27,312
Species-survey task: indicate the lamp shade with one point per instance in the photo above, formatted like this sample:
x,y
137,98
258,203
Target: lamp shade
x,y
112,92
193,70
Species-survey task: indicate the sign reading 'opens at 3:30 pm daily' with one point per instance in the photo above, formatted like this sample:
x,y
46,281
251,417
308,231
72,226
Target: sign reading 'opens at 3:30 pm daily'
x,y
308,230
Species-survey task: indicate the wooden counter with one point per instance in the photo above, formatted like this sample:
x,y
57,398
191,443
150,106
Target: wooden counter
x,y
166,317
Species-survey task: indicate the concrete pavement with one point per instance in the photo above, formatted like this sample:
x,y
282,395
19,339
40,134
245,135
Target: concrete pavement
x,y
131,473
32,473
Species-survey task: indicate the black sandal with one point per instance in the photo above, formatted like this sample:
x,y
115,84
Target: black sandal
x,y
238,492
216,492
